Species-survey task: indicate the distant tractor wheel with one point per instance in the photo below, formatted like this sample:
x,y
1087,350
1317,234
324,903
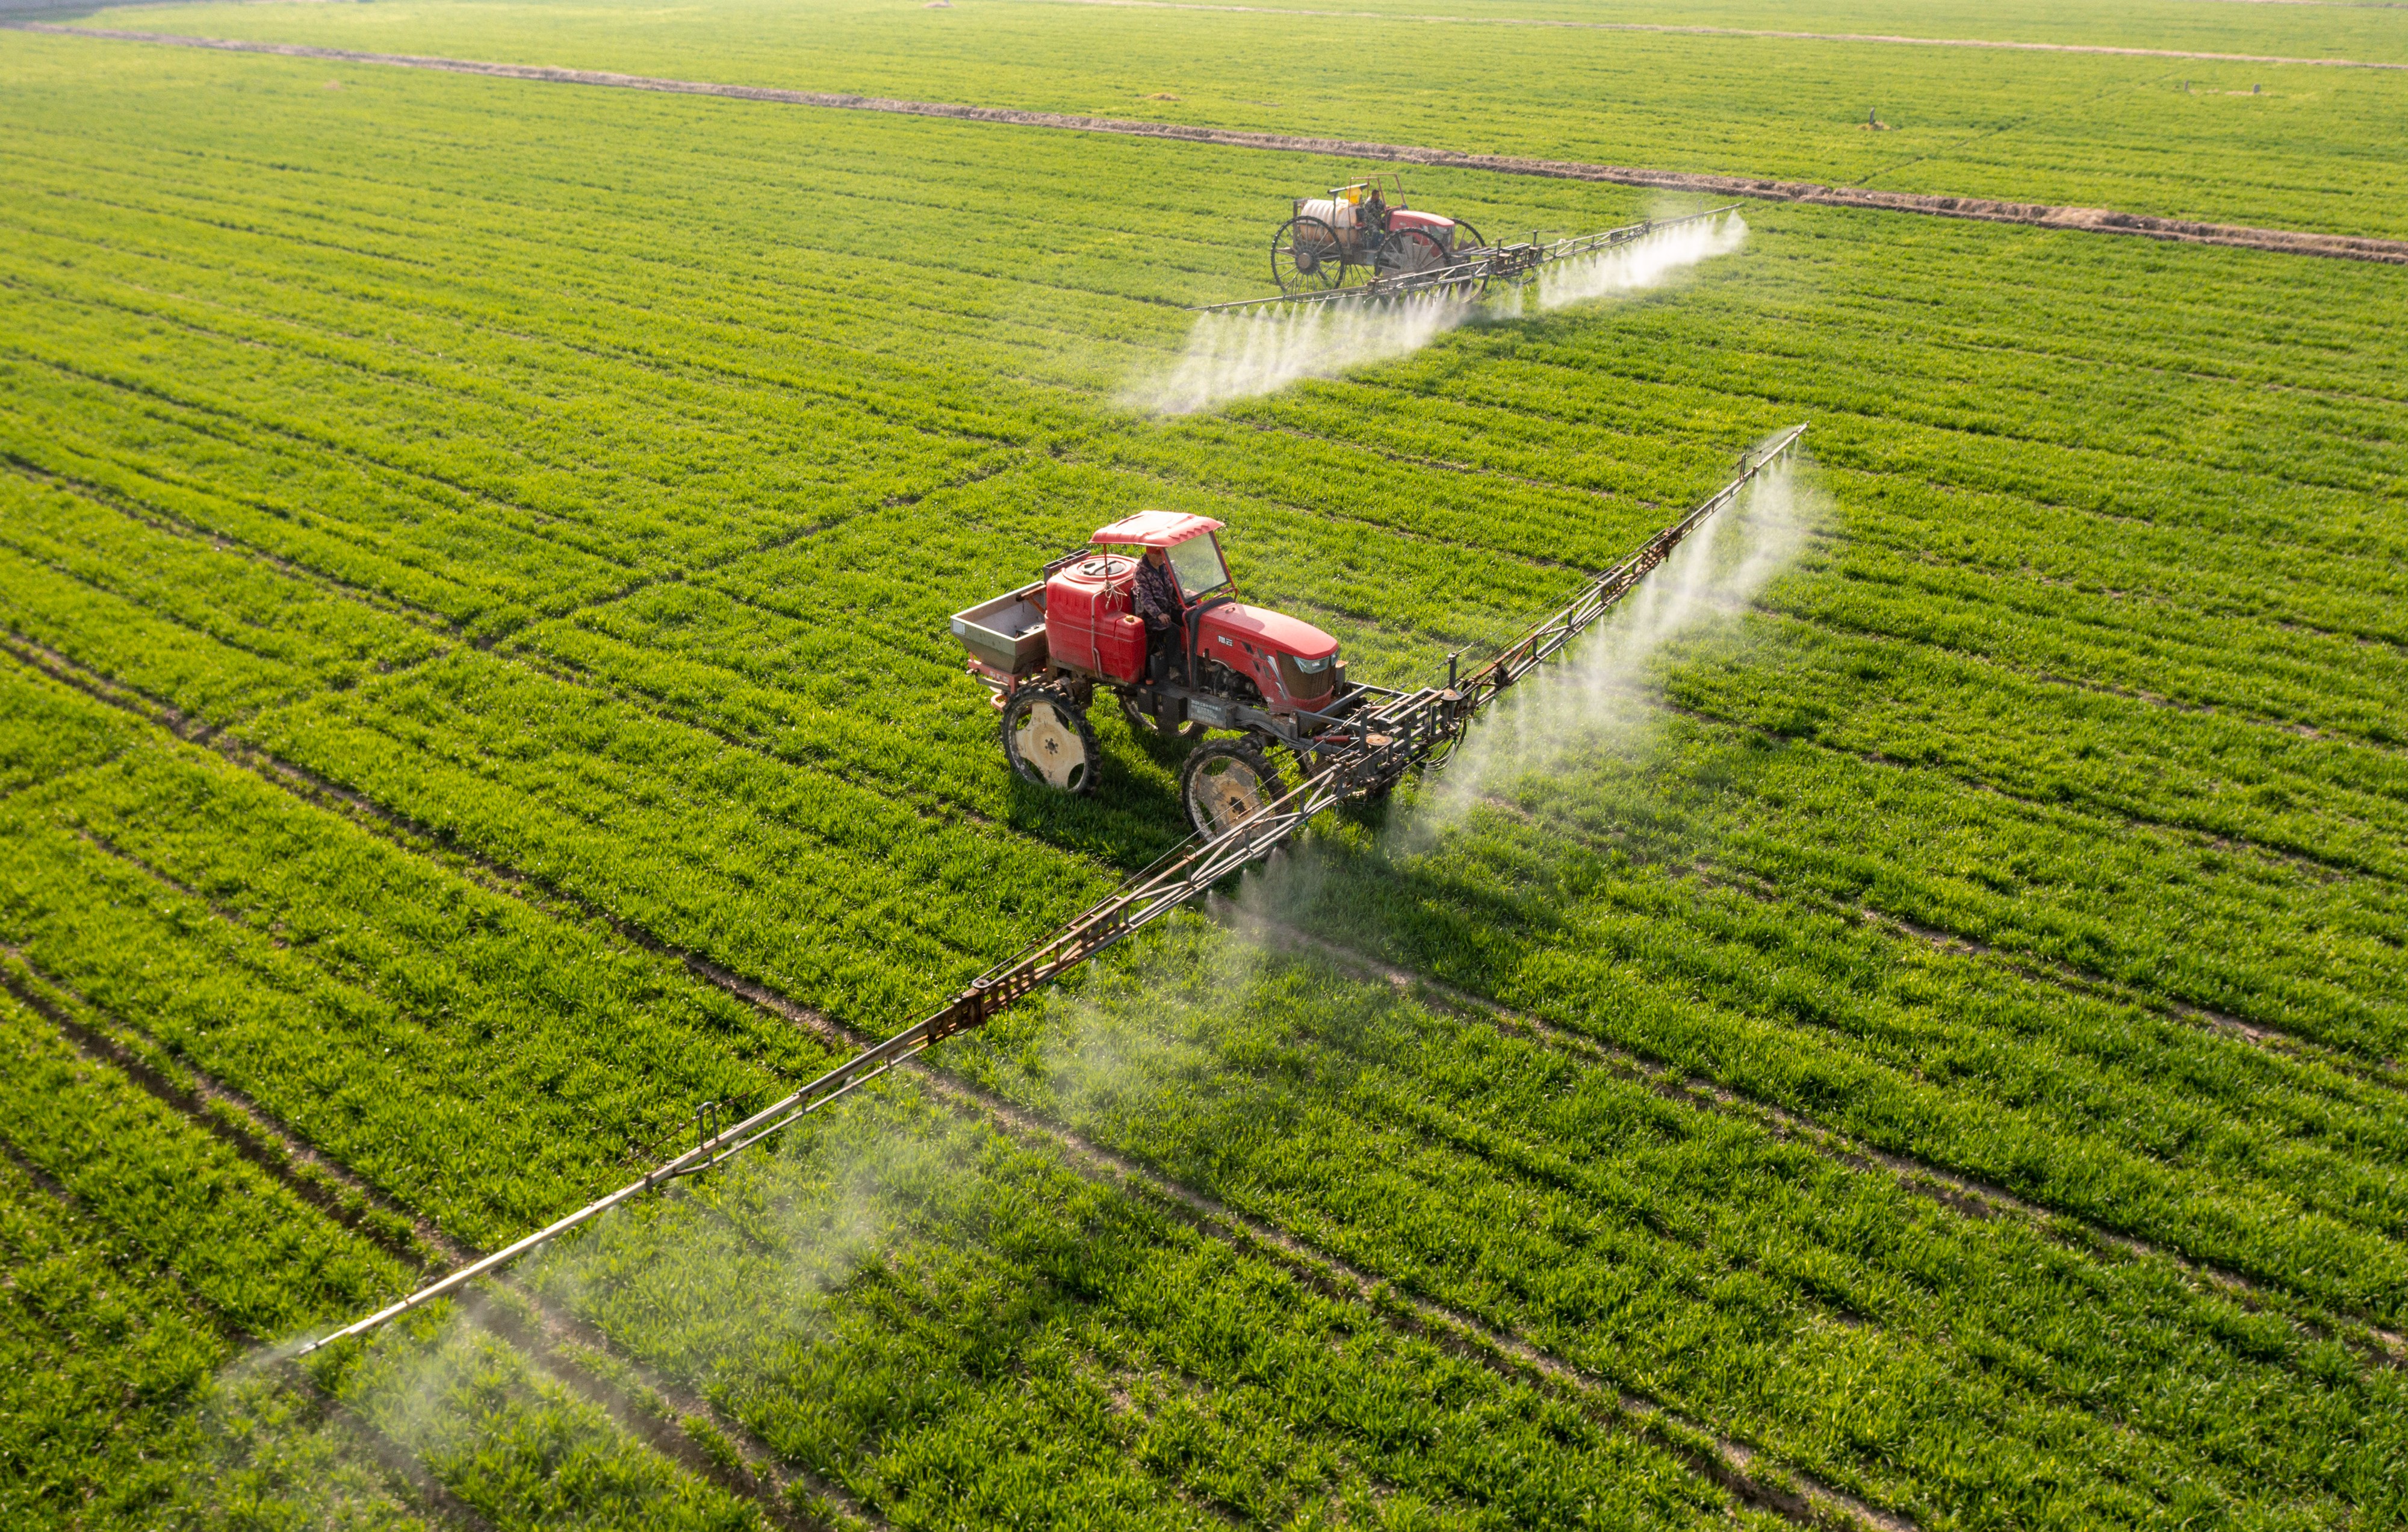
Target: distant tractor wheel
x,y
1467,239
1048,741
1227,782
1140,724
1413,253
1306,256
1422,254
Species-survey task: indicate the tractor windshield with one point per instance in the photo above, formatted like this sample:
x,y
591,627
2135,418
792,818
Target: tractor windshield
x,y
1199,563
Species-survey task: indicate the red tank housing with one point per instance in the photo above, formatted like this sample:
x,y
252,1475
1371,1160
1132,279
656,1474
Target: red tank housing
x,y
1088,623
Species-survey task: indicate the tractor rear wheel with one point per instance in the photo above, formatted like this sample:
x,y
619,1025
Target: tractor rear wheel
x,y
1306,256
1048,741
1227,782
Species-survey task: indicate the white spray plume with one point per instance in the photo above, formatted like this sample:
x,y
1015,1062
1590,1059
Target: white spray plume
x,y
1252,351
1247,352
1595,695
1649,261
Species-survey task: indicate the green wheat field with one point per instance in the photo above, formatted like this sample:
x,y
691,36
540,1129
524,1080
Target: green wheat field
x,y
1920,1047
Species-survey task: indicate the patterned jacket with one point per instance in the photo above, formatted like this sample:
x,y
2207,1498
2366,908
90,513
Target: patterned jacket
x,y
1158,599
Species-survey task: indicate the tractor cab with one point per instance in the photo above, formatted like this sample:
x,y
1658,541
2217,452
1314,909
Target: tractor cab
x,y
1046,649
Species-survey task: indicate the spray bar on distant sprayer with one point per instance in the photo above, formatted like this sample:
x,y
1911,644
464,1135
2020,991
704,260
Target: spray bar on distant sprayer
x,y
1412,729
1468,272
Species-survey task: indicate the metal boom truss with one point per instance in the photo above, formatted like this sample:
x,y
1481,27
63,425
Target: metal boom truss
x,y
1406,731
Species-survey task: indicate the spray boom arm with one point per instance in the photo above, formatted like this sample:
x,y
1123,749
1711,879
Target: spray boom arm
x,y
1404,731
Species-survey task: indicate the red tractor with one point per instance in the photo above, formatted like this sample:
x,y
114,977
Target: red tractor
x,y
1364,227
1271,681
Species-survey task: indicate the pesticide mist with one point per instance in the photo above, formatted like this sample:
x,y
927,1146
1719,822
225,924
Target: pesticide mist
x,y
1246,353
1598,692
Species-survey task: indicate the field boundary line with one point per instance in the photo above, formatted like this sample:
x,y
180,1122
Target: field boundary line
x,y
1728,1462
1676,30
2082,220
257,1136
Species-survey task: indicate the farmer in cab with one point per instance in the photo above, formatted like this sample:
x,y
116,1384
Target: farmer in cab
x,y
1163,609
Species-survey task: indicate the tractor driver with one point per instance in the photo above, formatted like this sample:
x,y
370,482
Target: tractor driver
x,y
1164,608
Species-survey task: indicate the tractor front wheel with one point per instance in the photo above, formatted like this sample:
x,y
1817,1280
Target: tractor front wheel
x,y
1419,253
1306,256
1048,740
1227,782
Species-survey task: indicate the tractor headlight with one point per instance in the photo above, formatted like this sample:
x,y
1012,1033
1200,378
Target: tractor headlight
x,y
1306,679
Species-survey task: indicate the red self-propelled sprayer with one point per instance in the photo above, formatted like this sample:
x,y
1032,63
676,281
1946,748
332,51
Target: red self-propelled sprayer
x,y
1348,741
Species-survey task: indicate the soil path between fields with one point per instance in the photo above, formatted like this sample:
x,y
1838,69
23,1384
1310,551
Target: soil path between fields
x,y
2084,220
1679,30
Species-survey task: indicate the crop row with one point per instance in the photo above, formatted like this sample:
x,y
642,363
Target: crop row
x,y
148,1262
2172,916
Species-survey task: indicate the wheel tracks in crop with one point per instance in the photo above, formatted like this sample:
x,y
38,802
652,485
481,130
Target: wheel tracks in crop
x,y
579,1357
168,524
2323,869
234,422
762,287
693,371
698,572
1728,1462
1835,544
2053,680
1952,1189
2033,967
406,1477
1778,401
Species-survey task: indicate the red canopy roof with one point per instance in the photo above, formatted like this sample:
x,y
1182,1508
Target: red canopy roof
x,y
1155,529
